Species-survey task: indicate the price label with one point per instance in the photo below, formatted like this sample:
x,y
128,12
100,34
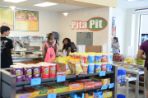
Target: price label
x,y
35,81
104,87
61,78
111,85
51,96
102,73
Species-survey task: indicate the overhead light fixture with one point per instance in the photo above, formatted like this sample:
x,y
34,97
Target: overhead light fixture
x,y
65,13
134,0
12,7
131,0
45,4
14,1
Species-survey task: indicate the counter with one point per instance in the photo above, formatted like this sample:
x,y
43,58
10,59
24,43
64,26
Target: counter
x,y
27,58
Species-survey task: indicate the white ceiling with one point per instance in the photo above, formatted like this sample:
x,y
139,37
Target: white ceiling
x,y
29,5
132,4
65,7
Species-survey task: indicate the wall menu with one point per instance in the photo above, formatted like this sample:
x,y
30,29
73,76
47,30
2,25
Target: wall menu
x,y
6,17
26,20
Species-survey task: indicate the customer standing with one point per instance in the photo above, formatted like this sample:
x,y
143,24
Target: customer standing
x,y
68,46
143,54
50,48
115,46
6,47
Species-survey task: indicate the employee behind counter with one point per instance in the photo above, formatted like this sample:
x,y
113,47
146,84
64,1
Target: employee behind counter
x,y
50,47
6,47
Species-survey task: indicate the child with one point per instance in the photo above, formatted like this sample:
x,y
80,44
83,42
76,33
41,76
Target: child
x,y
50,48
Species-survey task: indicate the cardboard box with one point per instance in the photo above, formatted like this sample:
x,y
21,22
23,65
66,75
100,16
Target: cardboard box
x,y
76,86
93,49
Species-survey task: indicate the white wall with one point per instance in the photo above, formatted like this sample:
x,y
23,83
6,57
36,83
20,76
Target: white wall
x,y
120,22
99,38
127,21
48,22
144,23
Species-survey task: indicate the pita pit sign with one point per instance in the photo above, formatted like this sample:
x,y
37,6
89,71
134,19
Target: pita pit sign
x,y
93,24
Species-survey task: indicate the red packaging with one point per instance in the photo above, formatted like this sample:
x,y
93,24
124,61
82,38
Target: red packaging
x,y
84,59
89,85
61,69
84,80
103,67
52,72
98,84
45,71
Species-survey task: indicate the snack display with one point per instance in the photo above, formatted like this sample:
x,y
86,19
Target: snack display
x,y
27,73
106,81
98,58
44,70
89,95
98,94
97,67
52,71
91,68
18,71
36,71
107,94
76,86
84,67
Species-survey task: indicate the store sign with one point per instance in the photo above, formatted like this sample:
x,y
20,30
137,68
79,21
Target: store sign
x,y
93,24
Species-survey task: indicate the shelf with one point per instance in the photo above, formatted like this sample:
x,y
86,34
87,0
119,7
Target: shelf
x,y
78,91
67,78
10,84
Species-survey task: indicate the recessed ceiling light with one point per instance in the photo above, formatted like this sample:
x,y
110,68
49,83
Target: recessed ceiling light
x,y
14,1
134,0
12,7
65,13
45,4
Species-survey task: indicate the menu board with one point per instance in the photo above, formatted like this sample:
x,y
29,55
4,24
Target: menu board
x,y
85,38
26,20
6,17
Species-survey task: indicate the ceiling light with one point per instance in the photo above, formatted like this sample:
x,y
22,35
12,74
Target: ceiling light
x,y
45,4
65,14
134,0
12,7
14,1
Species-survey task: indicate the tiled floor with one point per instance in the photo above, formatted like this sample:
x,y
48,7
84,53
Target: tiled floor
x,y
122,90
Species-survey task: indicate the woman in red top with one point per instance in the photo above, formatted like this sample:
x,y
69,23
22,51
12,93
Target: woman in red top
x,y
50,48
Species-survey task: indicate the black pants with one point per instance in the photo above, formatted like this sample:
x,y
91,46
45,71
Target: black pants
x,y
0,85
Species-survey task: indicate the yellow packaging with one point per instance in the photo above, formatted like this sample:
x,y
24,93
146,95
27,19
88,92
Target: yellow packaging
x,y
72,67
79,69
107,94
106,81
76,86
89,95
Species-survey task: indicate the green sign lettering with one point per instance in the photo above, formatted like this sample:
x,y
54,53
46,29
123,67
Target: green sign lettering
x,y
96,23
